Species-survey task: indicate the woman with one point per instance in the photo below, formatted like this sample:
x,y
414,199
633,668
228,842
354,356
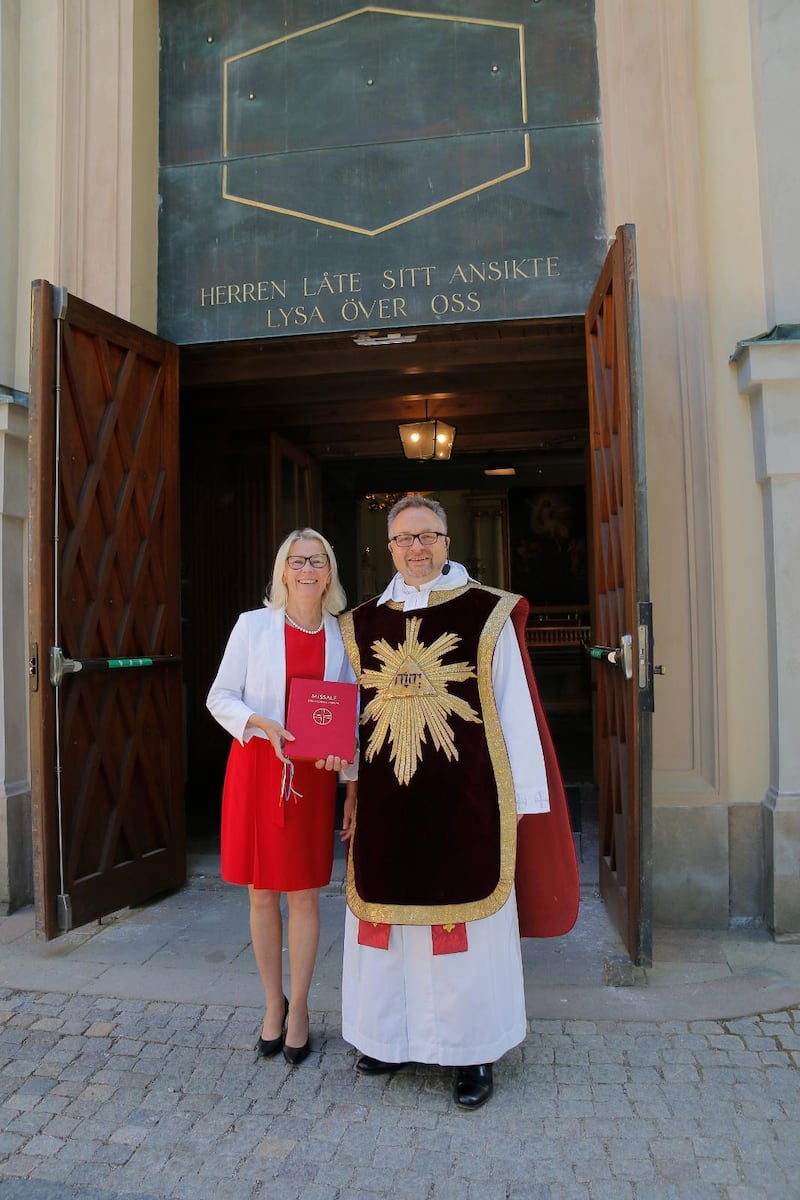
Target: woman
x,y
277,817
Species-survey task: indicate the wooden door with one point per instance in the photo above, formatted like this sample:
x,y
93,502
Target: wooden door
x,y
296,492
622,616
106,735
243,490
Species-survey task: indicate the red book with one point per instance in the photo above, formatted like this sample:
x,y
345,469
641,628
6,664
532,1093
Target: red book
x,y
322,716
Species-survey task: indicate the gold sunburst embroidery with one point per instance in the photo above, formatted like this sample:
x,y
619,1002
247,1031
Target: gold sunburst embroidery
x,y
412,700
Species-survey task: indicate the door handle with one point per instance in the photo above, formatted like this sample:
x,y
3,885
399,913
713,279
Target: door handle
x,y
61,665
619,656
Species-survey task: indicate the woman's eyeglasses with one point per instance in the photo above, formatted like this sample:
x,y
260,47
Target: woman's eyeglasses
x,y
298,561
428,538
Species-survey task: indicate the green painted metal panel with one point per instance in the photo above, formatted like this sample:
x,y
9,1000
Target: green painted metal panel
x,y
326,166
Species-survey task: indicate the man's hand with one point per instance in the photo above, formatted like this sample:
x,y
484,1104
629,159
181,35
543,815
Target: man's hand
x,y
349,812
331,763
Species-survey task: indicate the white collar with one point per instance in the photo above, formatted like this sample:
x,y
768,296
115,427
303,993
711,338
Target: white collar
x,y
417,597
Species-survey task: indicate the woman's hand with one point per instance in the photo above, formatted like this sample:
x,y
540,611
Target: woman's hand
x,y
331,763
349,812
275,732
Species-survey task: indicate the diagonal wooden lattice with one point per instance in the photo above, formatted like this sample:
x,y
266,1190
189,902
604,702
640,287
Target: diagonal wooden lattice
x,y
118,578
610,344
112,490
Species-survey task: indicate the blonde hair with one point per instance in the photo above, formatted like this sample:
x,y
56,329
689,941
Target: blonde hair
x,y
333,598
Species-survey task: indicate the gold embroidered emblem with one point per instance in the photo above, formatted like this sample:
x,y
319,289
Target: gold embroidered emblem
x,y
412,701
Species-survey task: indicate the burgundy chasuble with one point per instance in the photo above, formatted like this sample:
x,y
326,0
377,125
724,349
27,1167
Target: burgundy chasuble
x,y
435,835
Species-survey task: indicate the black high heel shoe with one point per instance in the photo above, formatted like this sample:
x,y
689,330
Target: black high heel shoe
x,y
294,1055
269,1047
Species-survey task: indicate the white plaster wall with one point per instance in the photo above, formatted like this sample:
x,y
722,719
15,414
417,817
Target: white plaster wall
x,y
89,178
776,64
144,160
39,213
9,185
651,156
736,309
681,163
15,865
16,880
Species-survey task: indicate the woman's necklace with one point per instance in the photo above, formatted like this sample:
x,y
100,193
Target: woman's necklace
x,y
302,628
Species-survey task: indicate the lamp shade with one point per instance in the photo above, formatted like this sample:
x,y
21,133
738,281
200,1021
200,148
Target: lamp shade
x,y
427,439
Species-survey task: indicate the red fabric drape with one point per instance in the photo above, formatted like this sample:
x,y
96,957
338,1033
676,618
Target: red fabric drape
x,y
547,881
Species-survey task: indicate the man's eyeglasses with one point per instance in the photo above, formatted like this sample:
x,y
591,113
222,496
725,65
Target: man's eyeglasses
x,y
298,561
404,540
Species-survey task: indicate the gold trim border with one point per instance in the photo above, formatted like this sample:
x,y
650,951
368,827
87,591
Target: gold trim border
x,y
423,212
349,638
444,914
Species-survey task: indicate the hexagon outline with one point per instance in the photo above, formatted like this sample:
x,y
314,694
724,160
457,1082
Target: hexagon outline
x,y
398,12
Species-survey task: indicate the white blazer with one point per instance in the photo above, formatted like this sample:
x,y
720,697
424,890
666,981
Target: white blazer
x,y
252,675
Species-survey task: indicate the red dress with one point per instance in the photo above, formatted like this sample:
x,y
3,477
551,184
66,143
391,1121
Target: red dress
x,y
272,844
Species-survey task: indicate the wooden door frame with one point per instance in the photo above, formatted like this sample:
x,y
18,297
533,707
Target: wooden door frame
x,y
284,390
307,489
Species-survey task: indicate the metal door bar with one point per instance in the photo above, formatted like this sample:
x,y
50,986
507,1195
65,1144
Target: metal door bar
x,y
61,665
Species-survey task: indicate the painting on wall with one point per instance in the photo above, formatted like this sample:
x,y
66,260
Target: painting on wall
x,y
547,543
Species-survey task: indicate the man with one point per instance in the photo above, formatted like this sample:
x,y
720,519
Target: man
x,y
451,757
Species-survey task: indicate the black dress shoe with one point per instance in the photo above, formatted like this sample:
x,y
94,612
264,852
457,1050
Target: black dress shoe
x,y
294,1055
368,1065
269,1047
473,1085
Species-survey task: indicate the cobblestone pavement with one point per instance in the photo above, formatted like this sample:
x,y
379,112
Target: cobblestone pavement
x,y
101,1099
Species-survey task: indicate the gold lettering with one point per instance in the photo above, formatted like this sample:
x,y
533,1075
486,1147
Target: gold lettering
x,y
335,283
246,292
385,308
509,269
297,314
409,680
398,277
457,302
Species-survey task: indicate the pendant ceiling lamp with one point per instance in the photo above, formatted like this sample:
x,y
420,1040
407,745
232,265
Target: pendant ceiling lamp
x,y
429,438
